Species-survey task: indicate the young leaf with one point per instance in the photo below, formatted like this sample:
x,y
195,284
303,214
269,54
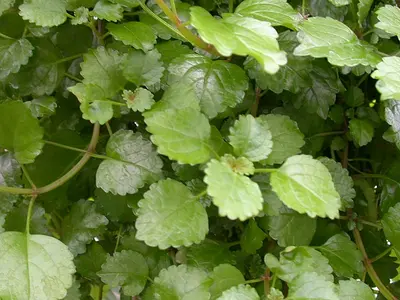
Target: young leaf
x,y
25,139
127,269
287,139
135,34
391,226
240,35
305,185
312,286
392,117
239,165
133,163
361,131
81,225
81,16
252,237
105,10
240,292
389,19
276,12
90,262
224,277
295,261
342,181
139,100
251,138
236,196
363,10
44,12
388,82
180,282
343,255
325,37
169,215
275,295
354,290
34,267
14,54
217,84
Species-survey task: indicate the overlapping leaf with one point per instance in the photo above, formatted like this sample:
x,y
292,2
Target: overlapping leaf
x,y
135,34
389,19
388,82
224,277
44,13
14,54
240,292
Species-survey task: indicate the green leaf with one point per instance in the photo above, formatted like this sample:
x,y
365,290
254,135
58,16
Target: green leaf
x,y
81,225
127,269
73,292
251,138
139,100
392,117
135,34
105,10
252,237
361,131
81,16
343,255
34,267
6,4
275,295
224,277
354,97
342,181
240,35
339,44
133,163
42,106
14,54
20,132
169,215
388,82
90,262
192,284
240,292
339,3
389,19
287,139
391,226
217,84
276,12
290,228
305,185
295,261
44,12
102,67
171,50
363,10
312,286
143,68
114,207
354,290
235,195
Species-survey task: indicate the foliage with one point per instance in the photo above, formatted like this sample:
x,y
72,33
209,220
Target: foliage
x,y
199,150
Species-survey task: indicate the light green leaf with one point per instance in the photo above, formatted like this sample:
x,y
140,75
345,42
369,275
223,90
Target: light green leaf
x,y
102,67
34,267
240,292
305,185
217,84
224,277
251,138
20,132
44,13
42,107
309,286
240,35
287,139
276,12
326,37
389,19
275,295
391,226
252,237
14,54
388,80
343,255
169,215
392,117
105,10
361,131
133,163
180,282
354,290
81,16
363,10
239,165
342,181
127,269
290,228
295,261
339,3
139,100
143,68
236,196
6,4
81,225
89,263
135,34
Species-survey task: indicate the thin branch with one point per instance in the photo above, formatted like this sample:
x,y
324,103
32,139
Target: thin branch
x,y
381,255
254,108
322,134
28,177
29,214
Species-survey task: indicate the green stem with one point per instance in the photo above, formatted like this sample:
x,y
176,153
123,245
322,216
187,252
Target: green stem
x,y
70,76
201,194
6,37
110,132
233,244
303,7
370,269
265,170
65,59
383,254
29,214
365,222
118,238
113,102
365,76
254,108
253,281
326,134
173,7
267,288
231,5
65,146
28,177
274,277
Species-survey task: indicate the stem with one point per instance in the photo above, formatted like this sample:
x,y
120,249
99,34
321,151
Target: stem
x,y
109,129
118,238
6,37
383,254
254,280
345,159
370,269
201,194
326,134
28,177
65,146
266,170
173,7
379,226
233,244
267,278
303,7
231,4
70,76
254,108
65,59
29,214
365,76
